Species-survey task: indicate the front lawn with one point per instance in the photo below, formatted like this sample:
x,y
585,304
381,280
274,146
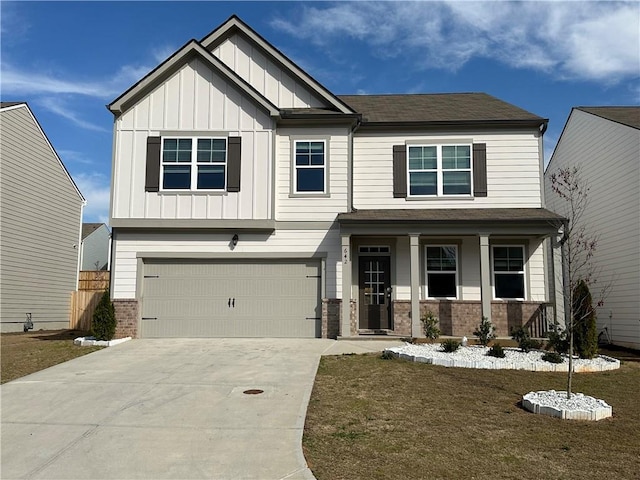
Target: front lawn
x,y
370,418
25,353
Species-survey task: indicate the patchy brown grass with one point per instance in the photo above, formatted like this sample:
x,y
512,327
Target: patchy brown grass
x,y
393,419
25,353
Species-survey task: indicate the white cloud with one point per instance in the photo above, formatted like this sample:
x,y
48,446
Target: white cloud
x,y
598,41
73,156
57,106
96,190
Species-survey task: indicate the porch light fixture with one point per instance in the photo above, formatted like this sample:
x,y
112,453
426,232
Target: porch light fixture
x,y
234,240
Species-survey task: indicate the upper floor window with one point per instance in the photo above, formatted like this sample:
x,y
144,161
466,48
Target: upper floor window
x,y
442,271
190,163
508,272
439,170
310,166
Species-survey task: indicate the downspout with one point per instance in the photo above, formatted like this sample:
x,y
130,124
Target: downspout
x,y
350,166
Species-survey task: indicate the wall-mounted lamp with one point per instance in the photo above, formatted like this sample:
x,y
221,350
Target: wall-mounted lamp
x,y
234,240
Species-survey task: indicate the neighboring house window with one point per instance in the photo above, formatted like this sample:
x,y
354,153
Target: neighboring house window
x,y
439,170
310,166
442,271
194,163
508,272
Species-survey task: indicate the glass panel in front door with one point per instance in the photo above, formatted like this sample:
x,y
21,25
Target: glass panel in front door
x,y
374,281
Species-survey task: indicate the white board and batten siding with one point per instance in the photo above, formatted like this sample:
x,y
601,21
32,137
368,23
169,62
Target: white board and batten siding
x,y
269,79
513,171
608,156
194,101
41,220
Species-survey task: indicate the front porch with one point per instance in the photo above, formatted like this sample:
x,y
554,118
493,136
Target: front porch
x,y
459,264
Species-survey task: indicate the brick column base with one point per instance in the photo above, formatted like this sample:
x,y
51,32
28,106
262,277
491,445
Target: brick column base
x,y
127,317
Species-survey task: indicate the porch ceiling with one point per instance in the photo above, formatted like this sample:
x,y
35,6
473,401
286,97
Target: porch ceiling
x,y
469,221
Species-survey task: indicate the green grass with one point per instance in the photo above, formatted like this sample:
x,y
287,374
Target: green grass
x,y
370,418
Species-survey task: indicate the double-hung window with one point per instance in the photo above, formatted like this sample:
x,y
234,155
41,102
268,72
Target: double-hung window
x,y
190,163
436,170
442,271
508,272
310,167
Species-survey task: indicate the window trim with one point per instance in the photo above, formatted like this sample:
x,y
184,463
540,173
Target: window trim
x,y
439,170
293,192
193,164
426,271
523,272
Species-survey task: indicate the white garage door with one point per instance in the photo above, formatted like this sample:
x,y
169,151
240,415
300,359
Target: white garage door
x,y
231,299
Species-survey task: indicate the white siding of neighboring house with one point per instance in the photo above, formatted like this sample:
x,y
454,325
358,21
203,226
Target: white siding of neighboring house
x,y
608,155
265,76
40,214
513,171
128,246
291,207
95,249
194,99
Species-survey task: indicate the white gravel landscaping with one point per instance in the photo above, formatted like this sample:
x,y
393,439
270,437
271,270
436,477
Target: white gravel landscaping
x,y
578,407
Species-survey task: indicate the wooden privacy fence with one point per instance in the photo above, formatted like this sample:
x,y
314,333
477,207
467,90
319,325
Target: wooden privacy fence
x,y
91,285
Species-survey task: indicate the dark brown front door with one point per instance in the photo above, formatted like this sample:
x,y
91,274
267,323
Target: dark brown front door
x,y
374,280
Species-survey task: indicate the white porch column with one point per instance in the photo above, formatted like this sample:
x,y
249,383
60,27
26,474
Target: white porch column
x,y
345,325
416,330
485,276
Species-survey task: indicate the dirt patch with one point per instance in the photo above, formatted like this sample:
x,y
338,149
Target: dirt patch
x,y
25,353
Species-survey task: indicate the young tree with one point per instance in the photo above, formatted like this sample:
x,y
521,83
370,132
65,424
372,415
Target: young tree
x,y
578,246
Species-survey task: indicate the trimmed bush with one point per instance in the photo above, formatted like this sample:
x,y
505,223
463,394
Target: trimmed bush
x,y
552,357
585,331
430,325
525,342
387,355
496,351
103,325
450,345
485,332
558,340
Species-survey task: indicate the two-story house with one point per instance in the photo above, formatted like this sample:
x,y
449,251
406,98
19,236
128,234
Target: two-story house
x,y
249,200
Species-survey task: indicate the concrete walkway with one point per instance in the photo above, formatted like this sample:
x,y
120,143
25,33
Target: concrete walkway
x,y
171,408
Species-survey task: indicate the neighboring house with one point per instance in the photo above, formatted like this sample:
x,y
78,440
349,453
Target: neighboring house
x,y
248,200
41,215
96,243
604,143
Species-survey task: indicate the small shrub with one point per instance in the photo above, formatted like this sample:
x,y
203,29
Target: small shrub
x,y
103,324
525,342
450,345
485,332
430,325
552,357
496,351
387,355
558,340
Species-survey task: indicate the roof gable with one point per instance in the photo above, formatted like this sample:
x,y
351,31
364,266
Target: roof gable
x,y
627,115
235,25
6,106
176,61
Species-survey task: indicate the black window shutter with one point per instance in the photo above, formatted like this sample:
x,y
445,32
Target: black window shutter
x,y
400,171
480,169
152,176
233,164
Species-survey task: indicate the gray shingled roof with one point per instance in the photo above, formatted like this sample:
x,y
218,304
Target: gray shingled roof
x,y
10,104
444,107
89,228
448,215
629,116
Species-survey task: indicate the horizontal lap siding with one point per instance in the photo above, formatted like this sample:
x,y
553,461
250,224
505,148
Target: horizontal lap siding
x,y
285,242
312,208
265,76
607,154
513,171
194,99
41,215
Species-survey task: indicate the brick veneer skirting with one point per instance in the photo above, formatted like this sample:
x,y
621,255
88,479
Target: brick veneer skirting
x,y
457,318
127,317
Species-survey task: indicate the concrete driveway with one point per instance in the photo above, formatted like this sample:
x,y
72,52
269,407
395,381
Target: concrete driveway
x,y
171,408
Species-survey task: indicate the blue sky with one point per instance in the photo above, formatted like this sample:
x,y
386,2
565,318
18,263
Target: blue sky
x,y
69,59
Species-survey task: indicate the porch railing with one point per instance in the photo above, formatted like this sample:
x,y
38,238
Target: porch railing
x,y
541,321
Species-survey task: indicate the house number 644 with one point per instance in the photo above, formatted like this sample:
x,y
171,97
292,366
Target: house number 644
x,y
346,254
